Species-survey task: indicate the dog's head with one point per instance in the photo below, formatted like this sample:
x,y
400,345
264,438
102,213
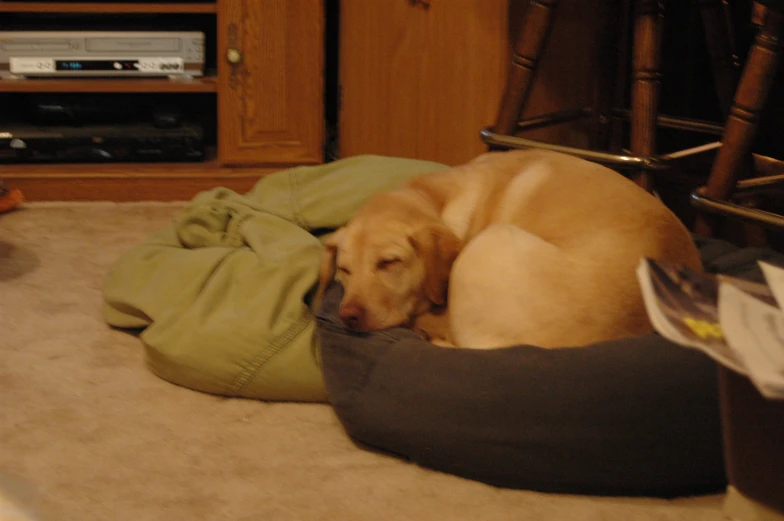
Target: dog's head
x,y
391,269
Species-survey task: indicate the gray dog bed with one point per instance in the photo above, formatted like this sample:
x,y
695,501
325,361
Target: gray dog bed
x,y
637,416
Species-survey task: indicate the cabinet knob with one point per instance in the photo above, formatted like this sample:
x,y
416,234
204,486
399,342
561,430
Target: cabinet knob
x,y
234,56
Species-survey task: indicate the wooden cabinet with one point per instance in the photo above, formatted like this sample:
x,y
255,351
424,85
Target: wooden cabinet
x,y
271,87
419,79
262,98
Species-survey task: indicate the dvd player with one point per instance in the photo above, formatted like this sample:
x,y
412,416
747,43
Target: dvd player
x,y
101,53
23,143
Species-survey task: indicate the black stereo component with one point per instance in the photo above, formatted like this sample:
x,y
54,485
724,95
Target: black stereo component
x,y
131,143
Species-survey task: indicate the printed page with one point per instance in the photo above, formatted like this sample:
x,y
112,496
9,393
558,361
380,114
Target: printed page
x,y
755,331
774,275
682,305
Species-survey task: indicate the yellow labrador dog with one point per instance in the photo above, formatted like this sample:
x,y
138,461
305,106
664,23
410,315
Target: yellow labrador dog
x,y
523,247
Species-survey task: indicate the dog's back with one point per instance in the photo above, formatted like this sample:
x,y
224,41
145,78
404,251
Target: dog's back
x,y
553,243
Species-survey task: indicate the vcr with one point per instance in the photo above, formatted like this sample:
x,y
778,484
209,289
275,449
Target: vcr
x,y
23,143
101,53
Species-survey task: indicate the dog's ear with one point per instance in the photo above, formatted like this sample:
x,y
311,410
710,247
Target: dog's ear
x,y
328,266
438,247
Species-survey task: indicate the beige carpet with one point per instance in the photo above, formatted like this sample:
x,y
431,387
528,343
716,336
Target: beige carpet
x,y
88,433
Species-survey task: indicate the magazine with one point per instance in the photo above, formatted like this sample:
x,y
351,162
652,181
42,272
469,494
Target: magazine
x,y
738,323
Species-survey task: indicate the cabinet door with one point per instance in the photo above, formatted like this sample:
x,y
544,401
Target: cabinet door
x,y
420,79
270,75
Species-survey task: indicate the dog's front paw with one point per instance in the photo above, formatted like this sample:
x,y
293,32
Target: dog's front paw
x,y
441,342
434,327
438,340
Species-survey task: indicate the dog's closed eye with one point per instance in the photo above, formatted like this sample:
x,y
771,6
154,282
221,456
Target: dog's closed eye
x,y
343,270
388,263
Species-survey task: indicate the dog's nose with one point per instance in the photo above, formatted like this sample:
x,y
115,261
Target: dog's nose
x,y
352,316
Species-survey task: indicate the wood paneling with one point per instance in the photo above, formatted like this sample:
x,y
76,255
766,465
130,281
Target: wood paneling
x,y
420,81
271,108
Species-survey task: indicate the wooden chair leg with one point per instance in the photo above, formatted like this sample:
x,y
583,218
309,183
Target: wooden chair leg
x,y
725,65
618,134
722,50
646,81
530,43
741,127
611,79
758,13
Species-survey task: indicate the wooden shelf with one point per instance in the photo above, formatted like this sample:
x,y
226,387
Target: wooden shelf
x,y
131,181
118,170
135,85
91,7
127,181
153,186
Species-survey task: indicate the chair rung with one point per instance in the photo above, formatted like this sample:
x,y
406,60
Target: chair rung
x,y
605,158
709,204
552,118
760,182
664,121
688,152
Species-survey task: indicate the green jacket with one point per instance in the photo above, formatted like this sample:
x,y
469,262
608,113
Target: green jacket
x,y
222,292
